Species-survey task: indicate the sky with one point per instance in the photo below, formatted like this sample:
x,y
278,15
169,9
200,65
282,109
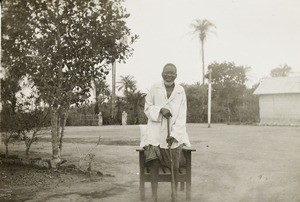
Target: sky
x,y
261,34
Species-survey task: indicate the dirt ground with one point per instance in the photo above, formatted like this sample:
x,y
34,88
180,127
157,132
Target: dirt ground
x,y
232,163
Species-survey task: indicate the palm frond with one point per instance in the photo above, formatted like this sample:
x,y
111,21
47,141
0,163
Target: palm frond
x,y
202,28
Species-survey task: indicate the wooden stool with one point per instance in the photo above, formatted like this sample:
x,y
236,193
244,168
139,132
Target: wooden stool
x,y
185,173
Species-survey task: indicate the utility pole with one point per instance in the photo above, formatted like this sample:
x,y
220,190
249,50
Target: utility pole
x,y
209,99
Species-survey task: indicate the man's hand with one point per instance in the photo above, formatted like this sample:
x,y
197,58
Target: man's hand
x,y
165,112
170,141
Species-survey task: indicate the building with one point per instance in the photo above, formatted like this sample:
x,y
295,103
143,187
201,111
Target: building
x,y
279,101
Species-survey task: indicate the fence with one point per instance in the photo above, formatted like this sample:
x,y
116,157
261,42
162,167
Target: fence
x,y
75,119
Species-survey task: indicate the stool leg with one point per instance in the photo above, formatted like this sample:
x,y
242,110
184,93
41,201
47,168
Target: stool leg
x,y
142,175
188,175
142,190
154,169
188,191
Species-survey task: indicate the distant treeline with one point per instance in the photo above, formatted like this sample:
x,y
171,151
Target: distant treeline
x,y
232,100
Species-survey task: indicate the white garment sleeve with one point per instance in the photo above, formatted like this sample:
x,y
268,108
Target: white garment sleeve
x,y
152,111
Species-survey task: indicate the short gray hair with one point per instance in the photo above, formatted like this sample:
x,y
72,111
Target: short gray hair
x,y
170,65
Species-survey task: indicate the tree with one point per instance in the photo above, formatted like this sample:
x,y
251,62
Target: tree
x,y
9,88
14,34
248,112
65,44
10,115
134,99
202,28
196,102
127,84
229,84
10,126
102,93
135,102
21,122
34,121
282,70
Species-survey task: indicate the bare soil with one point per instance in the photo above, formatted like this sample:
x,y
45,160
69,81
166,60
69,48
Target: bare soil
x,y
20,183
232,163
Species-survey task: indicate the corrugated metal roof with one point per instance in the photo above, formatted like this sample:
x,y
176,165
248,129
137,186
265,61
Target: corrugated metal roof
x,y
278,85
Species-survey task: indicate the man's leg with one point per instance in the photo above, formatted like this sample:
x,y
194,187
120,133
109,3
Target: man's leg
x,y
154,169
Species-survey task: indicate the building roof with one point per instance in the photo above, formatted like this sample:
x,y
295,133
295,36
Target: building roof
x,y
278,85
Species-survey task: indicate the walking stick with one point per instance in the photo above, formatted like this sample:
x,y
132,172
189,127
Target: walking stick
x,y
172,168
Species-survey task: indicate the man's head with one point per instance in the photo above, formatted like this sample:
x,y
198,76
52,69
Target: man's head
x,y
169,74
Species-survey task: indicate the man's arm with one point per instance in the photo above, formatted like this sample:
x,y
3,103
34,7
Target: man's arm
x,y
152,111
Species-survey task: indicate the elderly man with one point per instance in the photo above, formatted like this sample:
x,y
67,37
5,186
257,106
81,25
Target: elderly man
x,y
165,100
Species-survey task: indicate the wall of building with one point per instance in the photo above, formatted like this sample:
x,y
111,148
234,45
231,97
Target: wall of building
x,y
279,109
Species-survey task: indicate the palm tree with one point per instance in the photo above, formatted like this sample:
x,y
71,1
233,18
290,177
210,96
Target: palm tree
x,y
135,103
282,70
127,84
202,28
102,92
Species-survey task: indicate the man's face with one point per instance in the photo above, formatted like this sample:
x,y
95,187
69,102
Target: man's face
x,y
169,74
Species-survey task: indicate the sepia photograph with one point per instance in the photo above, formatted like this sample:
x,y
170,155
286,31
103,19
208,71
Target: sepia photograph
x,y
155,101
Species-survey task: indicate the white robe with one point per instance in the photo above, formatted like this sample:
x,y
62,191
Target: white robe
x,y
156,130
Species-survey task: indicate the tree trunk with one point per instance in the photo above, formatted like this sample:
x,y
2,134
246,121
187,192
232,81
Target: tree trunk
x,y
64,120
55,116
27,152
54,135
228,114
6,149
28,145
203,67
6,142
